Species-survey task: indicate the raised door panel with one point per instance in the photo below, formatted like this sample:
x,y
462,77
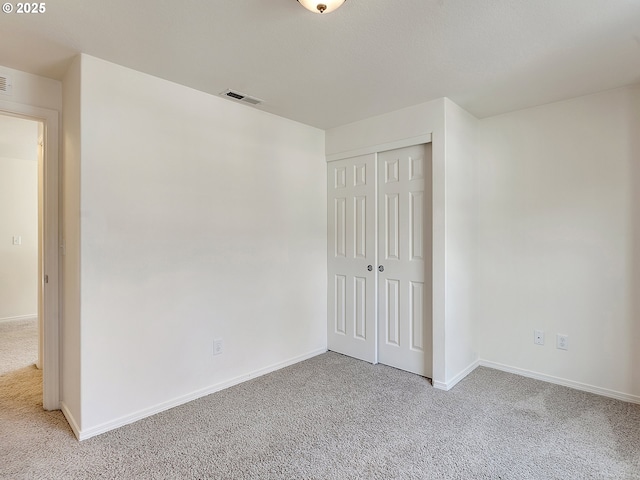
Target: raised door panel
x,y
360,307
360,227
416,225
340,227
417,314
391,312
391,225
340,305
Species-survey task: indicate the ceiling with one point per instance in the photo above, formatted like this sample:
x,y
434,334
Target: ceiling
x,y
367,58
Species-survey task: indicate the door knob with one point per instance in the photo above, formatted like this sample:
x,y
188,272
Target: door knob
x,y
370,267
381,268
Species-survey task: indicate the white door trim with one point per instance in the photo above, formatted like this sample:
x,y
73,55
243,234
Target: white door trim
x,y
346,266
383,147
50,248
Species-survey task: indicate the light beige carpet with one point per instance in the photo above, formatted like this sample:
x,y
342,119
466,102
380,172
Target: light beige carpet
x,y
18,344
333,417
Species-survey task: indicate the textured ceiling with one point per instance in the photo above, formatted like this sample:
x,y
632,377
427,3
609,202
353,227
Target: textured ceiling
x,y
367,58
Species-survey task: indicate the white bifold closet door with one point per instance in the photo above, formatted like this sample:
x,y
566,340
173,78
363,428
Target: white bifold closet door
x,y
404,253
380,258
352,256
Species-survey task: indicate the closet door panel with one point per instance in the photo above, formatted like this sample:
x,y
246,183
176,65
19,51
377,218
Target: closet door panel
x,y
351,249
404,281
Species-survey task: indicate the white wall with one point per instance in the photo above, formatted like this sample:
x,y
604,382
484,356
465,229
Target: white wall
x,y
461,132
18,217
33,90
559,239
200,219
70,327
415,121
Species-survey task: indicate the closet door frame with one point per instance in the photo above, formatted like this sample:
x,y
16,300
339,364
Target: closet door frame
x,y
375,149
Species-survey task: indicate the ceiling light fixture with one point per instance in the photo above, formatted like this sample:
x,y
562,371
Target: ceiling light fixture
x,y
324,6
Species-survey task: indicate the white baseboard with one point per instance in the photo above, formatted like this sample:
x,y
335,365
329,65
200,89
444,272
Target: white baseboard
x,y
446,386
161,407
562,381
70,420
19,318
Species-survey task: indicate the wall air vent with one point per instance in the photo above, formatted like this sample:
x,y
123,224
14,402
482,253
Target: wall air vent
x,y
241,97
6,86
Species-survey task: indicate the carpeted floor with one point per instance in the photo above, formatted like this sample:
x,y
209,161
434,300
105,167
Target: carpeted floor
x,y
18,344
333,417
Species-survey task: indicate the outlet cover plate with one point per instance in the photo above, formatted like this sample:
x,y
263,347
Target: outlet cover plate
x,y
218,346
562,341
538,337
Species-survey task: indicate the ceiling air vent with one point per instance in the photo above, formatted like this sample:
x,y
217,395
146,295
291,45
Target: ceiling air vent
x,y
5,85
241,97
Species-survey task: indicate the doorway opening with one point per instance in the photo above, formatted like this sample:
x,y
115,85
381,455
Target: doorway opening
x,y
19,243
380,257
33,250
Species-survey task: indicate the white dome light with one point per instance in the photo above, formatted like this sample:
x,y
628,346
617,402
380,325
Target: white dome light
x,y
321,6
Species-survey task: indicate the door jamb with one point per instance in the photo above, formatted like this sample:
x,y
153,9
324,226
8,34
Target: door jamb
x,y
50,247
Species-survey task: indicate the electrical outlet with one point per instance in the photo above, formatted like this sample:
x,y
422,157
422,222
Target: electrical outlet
x,y
218,346
17,240
562,342
538,337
